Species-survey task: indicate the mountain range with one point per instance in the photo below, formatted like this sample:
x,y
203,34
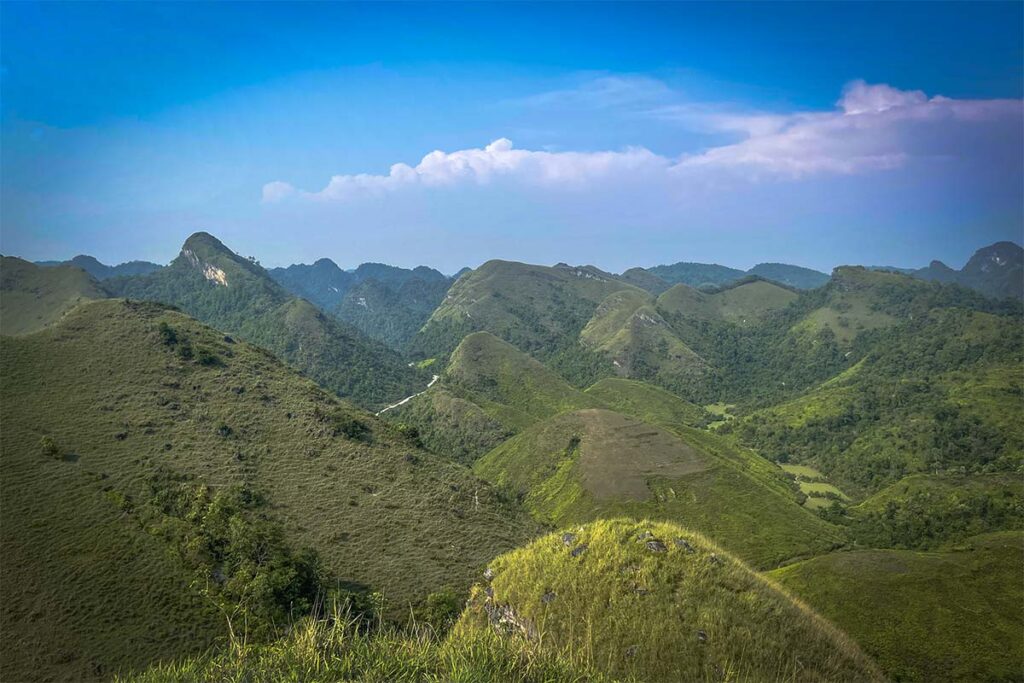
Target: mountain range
x,y
213,439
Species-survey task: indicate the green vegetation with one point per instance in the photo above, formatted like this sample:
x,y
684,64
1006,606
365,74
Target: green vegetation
x,y
649,403
100,271
925,511
95,404
605,592
640,344
590,464
32,297
236,295
902,410
537,309
925,616
696,274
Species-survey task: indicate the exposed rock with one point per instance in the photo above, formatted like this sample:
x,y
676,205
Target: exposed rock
x,y
568,538
505,621
632,650
685,545
702,636
488,573
548,596
656,546
579,550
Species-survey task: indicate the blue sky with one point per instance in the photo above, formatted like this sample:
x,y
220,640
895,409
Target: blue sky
x,y
613,134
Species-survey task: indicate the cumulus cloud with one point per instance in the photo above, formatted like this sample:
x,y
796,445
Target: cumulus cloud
x,y
872,128
498,160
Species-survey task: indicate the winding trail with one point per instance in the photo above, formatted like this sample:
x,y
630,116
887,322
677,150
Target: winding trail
x,y
407,398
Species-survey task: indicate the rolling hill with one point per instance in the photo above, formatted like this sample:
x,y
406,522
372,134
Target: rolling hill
x,y
628,330
655,602
538,309
708,275
234,294
158,474
594,463
939,393
951,615
32,297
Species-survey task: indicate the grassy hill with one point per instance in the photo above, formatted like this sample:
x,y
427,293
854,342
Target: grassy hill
x,y
696,274
656,602
156,472
538,309
648,402
220,288
628,330
32,297
595,463
789,275
951,615
101,271
743,302
940,393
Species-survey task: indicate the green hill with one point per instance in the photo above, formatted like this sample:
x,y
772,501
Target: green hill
x,y
656,602
628,330
940,393
996,271
393,313
591,464
927,510
234,294
538,309
156,472
952,615
789,275
696,274
648,402
32,297
743,302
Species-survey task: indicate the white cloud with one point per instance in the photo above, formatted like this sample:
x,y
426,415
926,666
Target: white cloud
x,y
872,128
498,160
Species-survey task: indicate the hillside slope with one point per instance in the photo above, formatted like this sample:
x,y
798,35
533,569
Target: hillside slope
x,y
118,415
590,464
236,295
951,615
656,602
538,309
32,297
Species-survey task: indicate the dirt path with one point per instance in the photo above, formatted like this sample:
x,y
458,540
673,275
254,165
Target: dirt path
x,y
407,398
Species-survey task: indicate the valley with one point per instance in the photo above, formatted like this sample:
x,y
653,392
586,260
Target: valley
x,y
210,448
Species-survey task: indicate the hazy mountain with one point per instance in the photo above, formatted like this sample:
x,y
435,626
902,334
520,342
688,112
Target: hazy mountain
x,y
793,276
212,283
32,297
696,274
996,271
101,271
386,303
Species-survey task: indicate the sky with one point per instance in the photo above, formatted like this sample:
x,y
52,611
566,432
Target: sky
x,y
448,134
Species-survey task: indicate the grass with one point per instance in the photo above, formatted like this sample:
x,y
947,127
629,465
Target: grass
x,y
327,651
925,616
590,464
648,402
658,602
803,472
744,303
117,403
32,297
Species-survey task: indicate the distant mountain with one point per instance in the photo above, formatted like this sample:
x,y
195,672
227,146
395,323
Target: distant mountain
x,y
538,309
386,303
32,297
696,274
645,280
323,283
705,275
101,271
996,271
793,276
235,294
